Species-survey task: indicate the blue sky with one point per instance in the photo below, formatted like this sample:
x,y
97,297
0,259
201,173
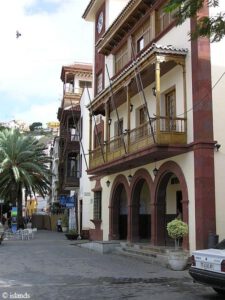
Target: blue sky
x,y
30,85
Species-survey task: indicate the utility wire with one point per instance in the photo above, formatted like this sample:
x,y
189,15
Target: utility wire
x,y
115,108
203,99
96,128
80,141
141,90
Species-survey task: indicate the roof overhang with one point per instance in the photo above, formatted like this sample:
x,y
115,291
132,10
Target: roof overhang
x,y
83,68
132,13
155,52
91,10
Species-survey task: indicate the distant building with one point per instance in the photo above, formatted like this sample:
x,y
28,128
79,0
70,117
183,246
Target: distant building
x,y
53,127
16,124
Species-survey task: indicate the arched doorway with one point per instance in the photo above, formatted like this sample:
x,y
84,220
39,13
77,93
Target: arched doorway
x,y
140,208
119,210
170,201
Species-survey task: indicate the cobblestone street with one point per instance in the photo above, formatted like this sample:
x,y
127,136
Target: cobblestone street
x,y
51,267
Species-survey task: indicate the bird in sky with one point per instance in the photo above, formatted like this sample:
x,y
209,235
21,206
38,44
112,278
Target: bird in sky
x,y
18,34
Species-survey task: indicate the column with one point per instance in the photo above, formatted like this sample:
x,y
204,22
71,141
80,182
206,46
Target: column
x,y
128,116
107,130
185,97
157,86
90,138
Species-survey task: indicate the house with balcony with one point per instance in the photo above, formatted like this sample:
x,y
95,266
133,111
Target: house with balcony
x,y
54,199
75,78
153,154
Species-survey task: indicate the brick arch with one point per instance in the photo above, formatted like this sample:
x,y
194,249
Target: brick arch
x,y
161,181
119,183
141,176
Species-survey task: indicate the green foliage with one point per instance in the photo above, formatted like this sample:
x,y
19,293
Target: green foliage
x,y
35,126
177,229
65,220
23,165
72,231
210,27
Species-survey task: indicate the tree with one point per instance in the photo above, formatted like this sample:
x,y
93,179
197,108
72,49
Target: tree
x,y
23,166
210,27
35,126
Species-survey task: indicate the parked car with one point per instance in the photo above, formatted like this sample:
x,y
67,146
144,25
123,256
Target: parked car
x,y
208,267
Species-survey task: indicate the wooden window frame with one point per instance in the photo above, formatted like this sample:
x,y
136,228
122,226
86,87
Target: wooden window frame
x,y
170,122
99,82
97,208
143,34
121,58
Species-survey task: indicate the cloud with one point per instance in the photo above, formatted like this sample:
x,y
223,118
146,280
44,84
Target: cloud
x,y
53,34
43,113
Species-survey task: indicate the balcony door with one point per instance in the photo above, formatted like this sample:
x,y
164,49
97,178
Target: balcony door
x,y
118,133
170,99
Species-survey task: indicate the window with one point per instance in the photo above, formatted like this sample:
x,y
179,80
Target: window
x,y
170,100
119,127
73,165
142,120
121,58
164,19
140,44
118,132
143,36
142,115
99,83
98,139
97,205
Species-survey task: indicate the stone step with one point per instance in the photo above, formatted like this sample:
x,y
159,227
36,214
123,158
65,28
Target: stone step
x,y
148,255
151,248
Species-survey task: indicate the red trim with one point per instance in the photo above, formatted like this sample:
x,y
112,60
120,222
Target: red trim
x,y
203,131
160,184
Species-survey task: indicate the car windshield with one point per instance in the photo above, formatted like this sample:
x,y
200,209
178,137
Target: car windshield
x,y
220,245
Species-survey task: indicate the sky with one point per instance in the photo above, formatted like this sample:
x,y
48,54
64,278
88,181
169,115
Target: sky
x,y
53,34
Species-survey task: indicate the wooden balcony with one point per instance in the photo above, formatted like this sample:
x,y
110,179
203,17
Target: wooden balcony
x,y
71,97
71,182
148,141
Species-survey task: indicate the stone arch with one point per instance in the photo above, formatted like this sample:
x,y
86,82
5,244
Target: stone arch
x,y
160,184
120,183
140,177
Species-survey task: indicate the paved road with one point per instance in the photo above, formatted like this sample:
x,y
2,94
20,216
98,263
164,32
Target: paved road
x,y
51,267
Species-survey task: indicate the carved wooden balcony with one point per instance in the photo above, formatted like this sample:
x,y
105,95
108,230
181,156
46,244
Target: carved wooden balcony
x,y
163,131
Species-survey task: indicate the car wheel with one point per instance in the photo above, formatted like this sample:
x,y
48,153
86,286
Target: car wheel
x,y
219,291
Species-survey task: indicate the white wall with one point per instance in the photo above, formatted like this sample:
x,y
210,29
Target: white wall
x,y
218,84
85,185
113,8
186,163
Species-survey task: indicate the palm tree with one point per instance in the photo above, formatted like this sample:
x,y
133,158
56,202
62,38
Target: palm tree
x,y
23,166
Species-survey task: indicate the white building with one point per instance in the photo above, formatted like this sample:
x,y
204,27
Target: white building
x,y
161,100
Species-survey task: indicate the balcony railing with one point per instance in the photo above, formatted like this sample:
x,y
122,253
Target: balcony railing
x,y
72,90
171,131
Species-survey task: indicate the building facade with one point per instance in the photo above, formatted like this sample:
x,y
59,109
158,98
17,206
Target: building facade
x,y
72,157
153,155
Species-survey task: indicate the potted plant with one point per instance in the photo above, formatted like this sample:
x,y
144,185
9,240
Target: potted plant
x,y
72,234
178,258
65,222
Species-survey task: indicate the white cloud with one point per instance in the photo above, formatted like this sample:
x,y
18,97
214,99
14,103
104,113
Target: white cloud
x,y
31,65
40,113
